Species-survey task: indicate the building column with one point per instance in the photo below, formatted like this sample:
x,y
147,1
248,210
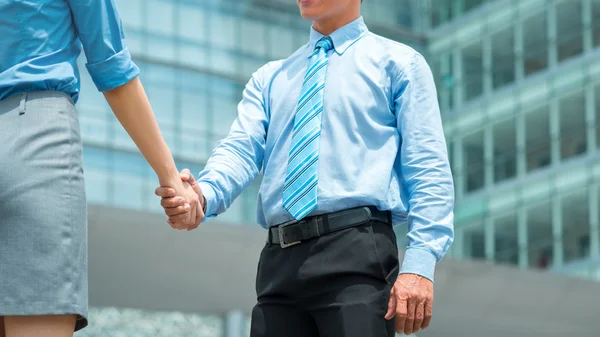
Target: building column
x,y
557,232
458,78
590,117
594,221
521,135
552,48
235,324
488,155
522,237
489,238
458,166
554,130
586,11
447,88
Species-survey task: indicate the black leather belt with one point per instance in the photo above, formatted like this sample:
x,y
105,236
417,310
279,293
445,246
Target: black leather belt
x,y
294,232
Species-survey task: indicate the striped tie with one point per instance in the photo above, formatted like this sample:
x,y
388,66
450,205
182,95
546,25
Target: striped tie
x,y
300,188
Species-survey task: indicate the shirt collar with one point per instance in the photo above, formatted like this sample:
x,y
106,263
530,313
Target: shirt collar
x,y
344,37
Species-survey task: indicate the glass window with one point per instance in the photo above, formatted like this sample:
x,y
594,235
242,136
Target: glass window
x,y
506,239
440,12
249,66
572,126
162,99
193,55
535,43
473,242
223,30
161,48
224,62
96,163
539,234
192,23
473,160
472,76
94,130
224,112
442,68
131,13
569,29
576,226
505,150
281,42
596,22
503,58
160,17
253,37
537,136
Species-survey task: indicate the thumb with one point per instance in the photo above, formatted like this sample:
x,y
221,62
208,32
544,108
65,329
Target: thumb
x,y
391,305
185,175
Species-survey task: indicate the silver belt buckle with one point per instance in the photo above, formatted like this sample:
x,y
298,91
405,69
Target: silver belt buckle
x,y
280,233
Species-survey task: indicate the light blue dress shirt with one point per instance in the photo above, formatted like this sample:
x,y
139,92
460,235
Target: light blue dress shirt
x,y
382,141
41,40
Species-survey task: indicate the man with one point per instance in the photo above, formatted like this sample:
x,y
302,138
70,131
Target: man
x,y
348,134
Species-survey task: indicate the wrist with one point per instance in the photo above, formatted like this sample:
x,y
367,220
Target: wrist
x,y
169,177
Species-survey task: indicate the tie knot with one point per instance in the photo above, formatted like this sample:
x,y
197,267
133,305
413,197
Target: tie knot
x,y
325,43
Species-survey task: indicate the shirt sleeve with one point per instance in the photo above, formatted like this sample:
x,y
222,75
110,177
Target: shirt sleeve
x,y
100,30
424,168
238,158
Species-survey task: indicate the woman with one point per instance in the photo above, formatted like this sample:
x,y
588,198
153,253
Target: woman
x,y
43,229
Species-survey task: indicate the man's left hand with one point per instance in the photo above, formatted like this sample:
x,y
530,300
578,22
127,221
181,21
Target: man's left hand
x,y
411,301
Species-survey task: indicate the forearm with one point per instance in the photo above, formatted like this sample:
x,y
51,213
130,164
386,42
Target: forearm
x,y
232,167
132,108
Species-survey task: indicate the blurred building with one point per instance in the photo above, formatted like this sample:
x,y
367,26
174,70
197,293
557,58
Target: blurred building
x,y
519,90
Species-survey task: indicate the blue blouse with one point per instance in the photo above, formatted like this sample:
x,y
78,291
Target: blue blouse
x,y
41,40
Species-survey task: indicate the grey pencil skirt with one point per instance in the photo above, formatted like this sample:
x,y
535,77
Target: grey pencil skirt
x,y
43,215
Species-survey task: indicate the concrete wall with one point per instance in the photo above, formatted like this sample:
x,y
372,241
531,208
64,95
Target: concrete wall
x,y
138,261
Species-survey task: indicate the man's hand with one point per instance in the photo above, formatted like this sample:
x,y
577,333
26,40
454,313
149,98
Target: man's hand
x,y
411,301
175,207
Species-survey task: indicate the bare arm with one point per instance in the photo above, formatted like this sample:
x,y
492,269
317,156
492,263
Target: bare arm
x,y
132,108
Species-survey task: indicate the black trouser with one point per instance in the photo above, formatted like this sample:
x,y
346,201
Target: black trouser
x,y
334,285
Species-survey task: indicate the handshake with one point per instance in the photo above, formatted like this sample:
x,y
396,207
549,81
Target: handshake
x,y
184,203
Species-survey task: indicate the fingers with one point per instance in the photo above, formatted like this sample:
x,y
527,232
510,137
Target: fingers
x,y
427,314
172,202
192,218
401,312
177,210
391,312
419,315
179,221
199,216
164,192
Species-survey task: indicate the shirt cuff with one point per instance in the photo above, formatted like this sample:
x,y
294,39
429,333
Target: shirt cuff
x,y
211,200
113,72
420,262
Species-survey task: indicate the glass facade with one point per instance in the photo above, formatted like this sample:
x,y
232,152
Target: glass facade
x,y
518,87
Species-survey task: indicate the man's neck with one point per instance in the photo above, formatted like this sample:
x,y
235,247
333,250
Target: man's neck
x,y
330,25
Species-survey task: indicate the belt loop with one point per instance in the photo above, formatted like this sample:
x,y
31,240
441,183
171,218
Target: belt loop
x,y
22,103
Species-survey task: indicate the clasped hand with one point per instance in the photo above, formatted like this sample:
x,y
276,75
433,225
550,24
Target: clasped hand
x,y
183,202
